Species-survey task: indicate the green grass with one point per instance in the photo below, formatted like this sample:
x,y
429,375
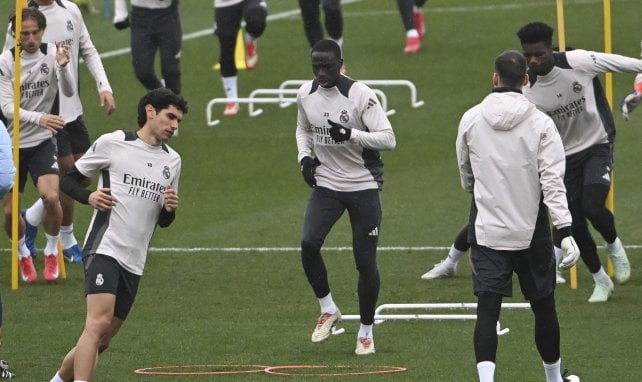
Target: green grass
x,y
241,188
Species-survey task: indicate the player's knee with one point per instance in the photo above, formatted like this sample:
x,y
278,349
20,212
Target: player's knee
x,y
255,20
50,199
310,248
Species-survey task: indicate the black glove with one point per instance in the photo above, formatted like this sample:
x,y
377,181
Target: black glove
x,y
308,165
120,25
339,132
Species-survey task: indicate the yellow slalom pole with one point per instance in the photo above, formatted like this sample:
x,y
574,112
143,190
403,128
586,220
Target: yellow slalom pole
x,y
610,202
15,194
61,261
239,53
561,36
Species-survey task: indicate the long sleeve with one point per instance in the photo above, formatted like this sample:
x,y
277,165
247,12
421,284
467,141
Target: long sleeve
x,y
597,62
7,169
89,54
552,166
304,136
120,10
65,80
379,134
463,155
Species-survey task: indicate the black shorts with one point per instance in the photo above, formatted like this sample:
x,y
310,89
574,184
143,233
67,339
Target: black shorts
x,y
591,166
535,268
103,274
73,139
38,161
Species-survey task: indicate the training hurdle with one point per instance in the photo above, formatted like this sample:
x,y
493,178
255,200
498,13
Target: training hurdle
x,y
405,83
381,317
283,97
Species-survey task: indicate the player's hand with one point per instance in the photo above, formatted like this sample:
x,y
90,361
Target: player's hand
x,y
122,24
51,122
339,132
570,253
102,200
62,55
108,98
630,103
308,165
171,199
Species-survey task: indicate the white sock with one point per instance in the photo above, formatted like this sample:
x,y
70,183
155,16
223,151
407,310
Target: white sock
x,y
327,304
553,372
416,9
230,86
56,378
454,255
412,33
614,246
599,275
51,249
23,251
486,371
67,235
365,331
35,212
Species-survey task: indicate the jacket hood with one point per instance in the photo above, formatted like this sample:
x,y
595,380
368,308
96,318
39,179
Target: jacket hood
x,y
504,110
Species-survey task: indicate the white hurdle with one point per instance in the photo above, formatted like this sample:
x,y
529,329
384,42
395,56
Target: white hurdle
x,y
406,83
256,96
381,317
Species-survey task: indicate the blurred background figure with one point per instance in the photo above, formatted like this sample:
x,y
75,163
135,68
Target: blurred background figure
x,y
155,26
412,17
228,15
311,16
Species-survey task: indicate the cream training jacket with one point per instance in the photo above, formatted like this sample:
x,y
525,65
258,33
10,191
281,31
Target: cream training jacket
x,y
509,156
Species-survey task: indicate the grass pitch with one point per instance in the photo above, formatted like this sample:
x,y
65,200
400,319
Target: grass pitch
x,y
224,284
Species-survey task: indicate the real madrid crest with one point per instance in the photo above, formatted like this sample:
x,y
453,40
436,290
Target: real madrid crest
x,y
344,117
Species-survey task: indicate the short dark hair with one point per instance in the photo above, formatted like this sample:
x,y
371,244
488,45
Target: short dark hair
x,y
328,46
535,32
160,99
511,67
28,14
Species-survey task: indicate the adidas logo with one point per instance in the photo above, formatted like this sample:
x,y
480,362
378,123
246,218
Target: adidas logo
x,y
606,177
374,232
371,103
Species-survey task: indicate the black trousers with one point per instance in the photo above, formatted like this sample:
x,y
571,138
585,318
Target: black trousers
x,y
311,15
157,30
324,209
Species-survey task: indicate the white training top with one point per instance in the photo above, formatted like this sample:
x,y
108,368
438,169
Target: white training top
x,y
138,175
355,164
40,76
65,26
572,96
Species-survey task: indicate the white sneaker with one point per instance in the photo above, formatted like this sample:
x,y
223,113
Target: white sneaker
x,y
365,346
602,291
570,377
440,271
559,279
621,266
326,322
